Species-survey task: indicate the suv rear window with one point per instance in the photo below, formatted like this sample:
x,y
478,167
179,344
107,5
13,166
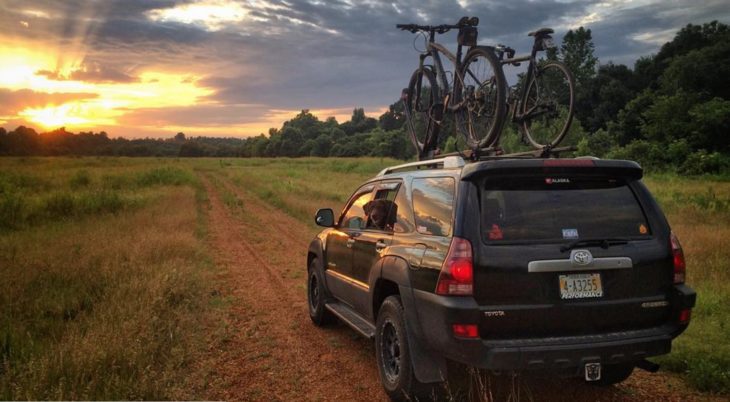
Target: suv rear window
x,y
516,209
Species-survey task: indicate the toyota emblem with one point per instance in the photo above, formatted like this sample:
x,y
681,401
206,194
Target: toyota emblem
x,y
581,257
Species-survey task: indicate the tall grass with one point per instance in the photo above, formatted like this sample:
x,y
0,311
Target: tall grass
x,y
105,291
698,211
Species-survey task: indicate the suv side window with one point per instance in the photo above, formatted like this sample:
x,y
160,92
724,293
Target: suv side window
x,y
382,210
404,213
433,200
355,217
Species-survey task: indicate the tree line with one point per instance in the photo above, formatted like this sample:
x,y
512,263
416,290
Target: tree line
x,y
670,111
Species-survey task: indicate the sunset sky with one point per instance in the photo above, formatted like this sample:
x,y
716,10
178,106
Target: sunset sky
x,y
139,68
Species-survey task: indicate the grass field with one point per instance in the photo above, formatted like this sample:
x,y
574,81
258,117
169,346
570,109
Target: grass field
x,y
108,290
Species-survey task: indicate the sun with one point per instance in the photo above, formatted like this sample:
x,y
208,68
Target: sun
x,y
50,117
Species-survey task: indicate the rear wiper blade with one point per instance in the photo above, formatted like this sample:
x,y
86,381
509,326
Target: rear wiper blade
x,y
603,243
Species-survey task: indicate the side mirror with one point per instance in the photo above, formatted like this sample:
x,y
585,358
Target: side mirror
x,y
325,217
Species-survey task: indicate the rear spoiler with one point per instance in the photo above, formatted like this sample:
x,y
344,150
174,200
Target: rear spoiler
x,y
526,167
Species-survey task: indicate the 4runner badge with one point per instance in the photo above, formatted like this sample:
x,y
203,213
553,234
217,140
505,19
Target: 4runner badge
x,y
581,257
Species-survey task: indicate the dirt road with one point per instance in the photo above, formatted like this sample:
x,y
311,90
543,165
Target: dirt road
x,y
274,352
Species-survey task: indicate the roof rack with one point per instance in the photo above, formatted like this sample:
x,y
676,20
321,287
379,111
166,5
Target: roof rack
x,y
459,159
449,162
496,153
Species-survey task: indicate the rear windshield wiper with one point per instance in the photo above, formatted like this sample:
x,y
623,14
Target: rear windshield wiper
x,y
603,243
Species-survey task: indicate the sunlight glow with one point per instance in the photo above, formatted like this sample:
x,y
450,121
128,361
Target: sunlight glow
x,y
153,89
68,114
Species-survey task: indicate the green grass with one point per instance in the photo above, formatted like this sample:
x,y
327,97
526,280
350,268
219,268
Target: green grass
x,y
697,209
106,282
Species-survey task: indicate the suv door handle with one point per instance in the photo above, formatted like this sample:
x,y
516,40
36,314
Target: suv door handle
x,y
380,244
350,242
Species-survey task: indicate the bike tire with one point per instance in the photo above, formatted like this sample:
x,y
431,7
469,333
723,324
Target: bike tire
x,y
422,94
484,91
548,105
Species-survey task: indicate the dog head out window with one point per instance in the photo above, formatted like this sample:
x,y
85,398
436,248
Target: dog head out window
x,y
382,211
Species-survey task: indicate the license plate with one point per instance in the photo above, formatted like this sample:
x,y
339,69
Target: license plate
x,y
580,286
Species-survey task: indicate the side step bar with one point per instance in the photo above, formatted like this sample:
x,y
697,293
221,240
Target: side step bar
x,y
352,318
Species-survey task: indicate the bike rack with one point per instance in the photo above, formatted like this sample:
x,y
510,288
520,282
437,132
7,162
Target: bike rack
x,y
496,153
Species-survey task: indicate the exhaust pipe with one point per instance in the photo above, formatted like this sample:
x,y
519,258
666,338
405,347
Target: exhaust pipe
x,y
647,366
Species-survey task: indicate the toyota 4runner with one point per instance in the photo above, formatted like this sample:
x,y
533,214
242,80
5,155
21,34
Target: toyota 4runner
x,y
561,265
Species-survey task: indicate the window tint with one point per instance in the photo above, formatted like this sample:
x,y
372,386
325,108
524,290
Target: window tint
x,y
355,217
560,208
404,213
382,210
432,205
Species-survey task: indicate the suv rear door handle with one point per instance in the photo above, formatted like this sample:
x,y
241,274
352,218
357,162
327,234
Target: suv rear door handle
x,y
380,244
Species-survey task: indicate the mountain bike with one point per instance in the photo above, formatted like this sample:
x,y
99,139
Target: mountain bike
x,y
543,111
476,98
541,104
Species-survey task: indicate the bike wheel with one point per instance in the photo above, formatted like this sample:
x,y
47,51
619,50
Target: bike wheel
x,y
547,109
421,96
483,94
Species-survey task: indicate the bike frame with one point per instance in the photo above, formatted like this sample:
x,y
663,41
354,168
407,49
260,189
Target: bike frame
x,y
433,49
516,116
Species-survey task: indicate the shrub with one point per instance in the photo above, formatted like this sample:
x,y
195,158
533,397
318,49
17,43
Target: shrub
x,y
701,162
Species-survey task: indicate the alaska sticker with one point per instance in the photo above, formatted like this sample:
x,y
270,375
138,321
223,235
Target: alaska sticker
x,y
557,180
570,233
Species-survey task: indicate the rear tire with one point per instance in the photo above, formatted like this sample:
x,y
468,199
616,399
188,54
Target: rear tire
x,y
549,102
483,91
316,297
614,374
393,355
422,94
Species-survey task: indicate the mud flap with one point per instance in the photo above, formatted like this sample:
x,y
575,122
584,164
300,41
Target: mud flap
x,y
428,366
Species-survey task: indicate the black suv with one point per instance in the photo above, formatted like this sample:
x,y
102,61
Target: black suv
x,y
566,265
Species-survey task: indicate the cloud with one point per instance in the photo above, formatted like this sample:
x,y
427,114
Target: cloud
x,y
90,71
11,102
261,57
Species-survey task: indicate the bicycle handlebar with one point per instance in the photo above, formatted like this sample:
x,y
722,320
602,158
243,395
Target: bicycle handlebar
x,y
440,29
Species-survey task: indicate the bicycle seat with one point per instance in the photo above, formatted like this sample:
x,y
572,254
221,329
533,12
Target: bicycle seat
x,y
541,32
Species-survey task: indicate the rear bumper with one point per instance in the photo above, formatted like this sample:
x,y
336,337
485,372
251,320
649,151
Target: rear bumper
x,y
436,314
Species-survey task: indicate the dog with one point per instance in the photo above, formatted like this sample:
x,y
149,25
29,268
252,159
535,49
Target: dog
x,y
381,214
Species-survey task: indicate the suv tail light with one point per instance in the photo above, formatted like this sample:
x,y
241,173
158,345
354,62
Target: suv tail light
x,y
457,273
679,265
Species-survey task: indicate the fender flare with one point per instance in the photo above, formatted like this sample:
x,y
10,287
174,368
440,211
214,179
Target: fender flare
x,y
316,248
428,366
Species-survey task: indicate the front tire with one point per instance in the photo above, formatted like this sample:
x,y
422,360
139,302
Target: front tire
x,y
483,92
316,296
393,354
421,97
